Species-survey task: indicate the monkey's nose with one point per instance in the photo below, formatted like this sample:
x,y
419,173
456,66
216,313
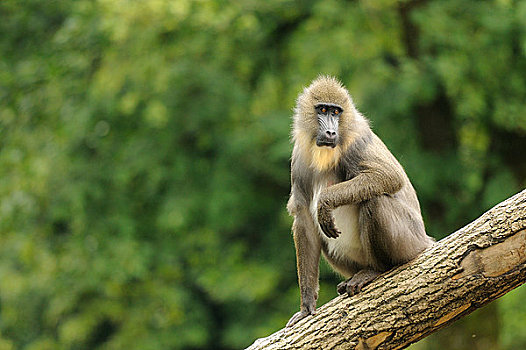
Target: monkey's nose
x,y
331,135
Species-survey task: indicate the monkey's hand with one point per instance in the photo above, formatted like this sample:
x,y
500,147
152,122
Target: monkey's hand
x,y
300,315
326,220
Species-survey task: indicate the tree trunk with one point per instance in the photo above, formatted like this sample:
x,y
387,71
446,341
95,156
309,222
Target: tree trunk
x,y
464,271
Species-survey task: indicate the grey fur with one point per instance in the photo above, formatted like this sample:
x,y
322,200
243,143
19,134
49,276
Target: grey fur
x,y
378,209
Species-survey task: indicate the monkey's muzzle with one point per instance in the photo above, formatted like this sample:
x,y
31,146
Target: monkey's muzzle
x,y
325,144
327,141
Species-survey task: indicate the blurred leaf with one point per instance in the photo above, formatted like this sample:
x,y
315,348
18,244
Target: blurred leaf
x,y
145,149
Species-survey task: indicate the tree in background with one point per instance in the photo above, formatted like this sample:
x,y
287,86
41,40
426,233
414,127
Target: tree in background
x,y
144,151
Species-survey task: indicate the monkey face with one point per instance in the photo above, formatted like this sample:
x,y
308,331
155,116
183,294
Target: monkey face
x,y
328,116
324,122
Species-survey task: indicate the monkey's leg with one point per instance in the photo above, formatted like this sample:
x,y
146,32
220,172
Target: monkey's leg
x,y
355,284
308,249
391,234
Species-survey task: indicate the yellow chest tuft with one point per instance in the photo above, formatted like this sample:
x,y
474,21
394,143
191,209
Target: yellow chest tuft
x,y
321,158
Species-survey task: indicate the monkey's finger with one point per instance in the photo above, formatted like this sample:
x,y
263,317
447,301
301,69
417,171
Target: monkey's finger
x,y
334,231
298,316
342,287
351,289
326,230
358,288
329,230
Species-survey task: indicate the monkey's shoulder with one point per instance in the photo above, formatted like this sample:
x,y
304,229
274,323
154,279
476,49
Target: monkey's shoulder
x,y
365,153
352,159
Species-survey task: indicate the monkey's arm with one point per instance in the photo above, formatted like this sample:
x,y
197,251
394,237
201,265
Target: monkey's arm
x,y
308,249
376,178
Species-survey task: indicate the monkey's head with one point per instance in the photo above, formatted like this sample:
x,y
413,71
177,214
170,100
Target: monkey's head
x,y
324,120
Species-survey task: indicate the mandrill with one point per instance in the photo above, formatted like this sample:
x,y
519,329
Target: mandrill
x,y
350,197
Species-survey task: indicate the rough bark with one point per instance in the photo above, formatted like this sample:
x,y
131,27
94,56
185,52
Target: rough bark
x,y
464,271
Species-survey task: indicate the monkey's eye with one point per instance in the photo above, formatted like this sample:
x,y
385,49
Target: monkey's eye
x,y
324,109
336,112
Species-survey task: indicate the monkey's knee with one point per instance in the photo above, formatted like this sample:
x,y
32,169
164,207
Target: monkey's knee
x,y
369,210
378,232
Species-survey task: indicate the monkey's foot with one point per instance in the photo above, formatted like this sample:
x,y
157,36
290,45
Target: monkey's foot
x,y
355,284
298,316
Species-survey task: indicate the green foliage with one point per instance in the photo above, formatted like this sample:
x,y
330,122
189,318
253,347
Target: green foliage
x,y
144,153
513,319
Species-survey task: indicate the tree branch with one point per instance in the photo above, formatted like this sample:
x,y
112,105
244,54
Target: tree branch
x,y
464,271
